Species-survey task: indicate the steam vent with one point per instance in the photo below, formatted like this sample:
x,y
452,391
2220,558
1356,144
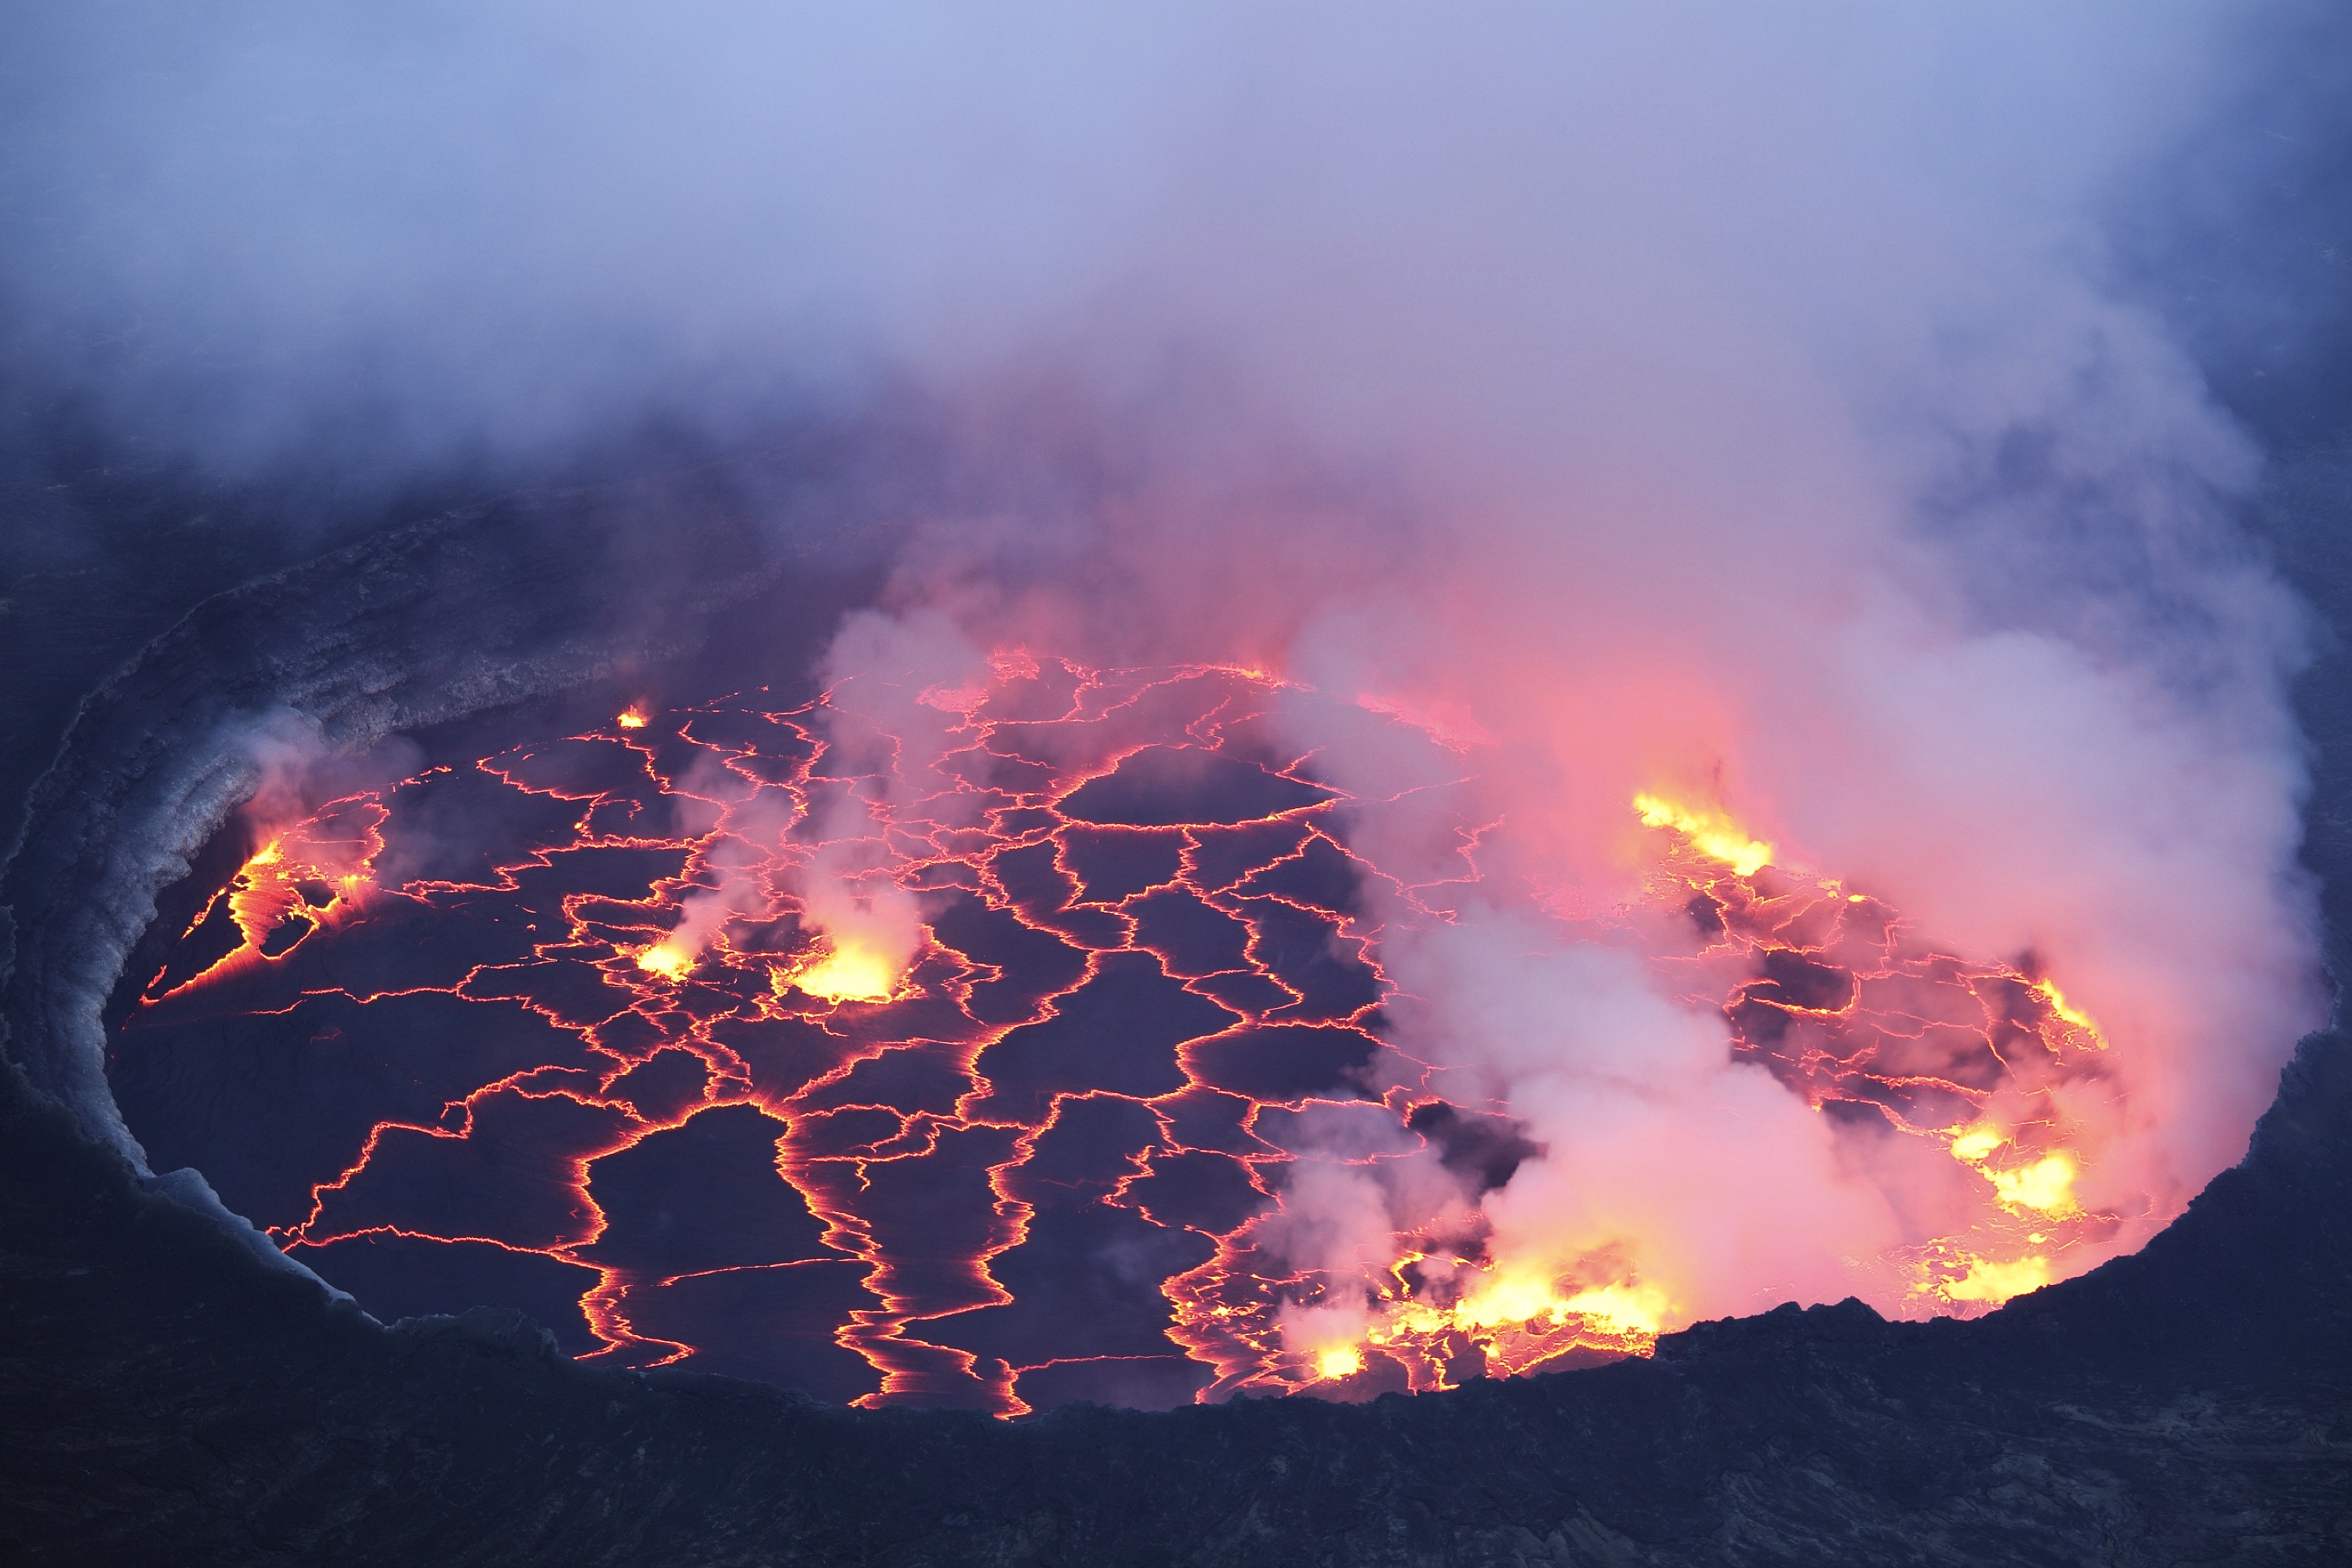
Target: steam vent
x,y
1018,786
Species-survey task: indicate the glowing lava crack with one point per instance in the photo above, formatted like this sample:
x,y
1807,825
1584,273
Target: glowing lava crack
x,y
976,1072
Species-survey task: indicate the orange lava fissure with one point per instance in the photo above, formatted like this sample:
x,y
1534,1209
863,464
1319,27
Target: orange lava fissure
x,y
1035,1155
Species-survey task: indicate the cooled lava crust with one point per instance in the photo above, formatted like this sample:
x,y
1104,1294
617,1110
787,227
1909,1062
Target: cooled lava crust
x,y
548,1029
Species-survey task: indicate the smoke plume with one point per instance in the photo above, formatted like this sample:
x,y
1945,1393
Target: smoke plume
x,y
1745,408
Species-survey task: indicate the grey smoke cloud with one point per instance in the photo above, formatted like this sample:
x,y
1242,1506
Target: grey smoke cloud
x,y
509,224
1745,402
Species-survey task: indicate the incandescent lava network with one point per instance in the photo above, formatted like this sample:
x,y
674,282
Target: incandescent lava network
x,y
973,1057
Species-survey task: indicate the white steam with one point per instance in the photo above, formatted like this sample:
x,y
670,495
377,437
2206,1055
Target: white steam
x,y
1735,402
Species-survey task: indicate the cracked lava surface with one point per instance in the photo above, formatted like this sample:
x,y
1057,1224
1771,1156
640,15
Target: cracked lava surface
x,y
964,1063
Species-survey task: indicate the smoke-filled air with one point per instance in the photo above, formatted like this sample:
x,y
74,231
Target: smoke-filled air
x,y
1681,512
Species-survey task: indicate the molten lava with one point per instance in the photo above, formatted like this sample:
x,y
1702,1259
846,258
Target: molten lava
x,y
1039,1147
1711,833
846,971
665,960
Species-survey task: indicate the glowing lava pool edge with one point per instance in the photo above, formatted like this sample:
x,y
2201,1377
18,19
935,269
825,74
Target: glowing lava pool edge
x,y
992,1065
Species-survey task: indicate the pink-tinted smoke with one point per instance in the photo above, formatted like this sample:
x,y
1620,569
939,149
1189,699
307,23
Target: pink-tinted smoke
x,y
1729,436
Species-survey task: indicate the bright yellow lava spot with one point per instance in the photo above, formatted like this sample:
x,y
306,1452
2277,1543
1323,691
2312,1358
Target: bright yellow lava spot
x,y
665,960
1508,1301
1710,833
1976,1144
2049,992
269,854
1635,1309
1340,1361
1989,1281
847,974
631,719
2046,1185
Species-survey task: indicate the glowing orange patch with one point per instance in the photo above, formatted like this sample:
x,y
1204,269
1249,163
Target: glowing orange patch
x,y
665,960
1340,1361
1521,1320
849,972
1711,833
2048,991
2046,1185
1988,1280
